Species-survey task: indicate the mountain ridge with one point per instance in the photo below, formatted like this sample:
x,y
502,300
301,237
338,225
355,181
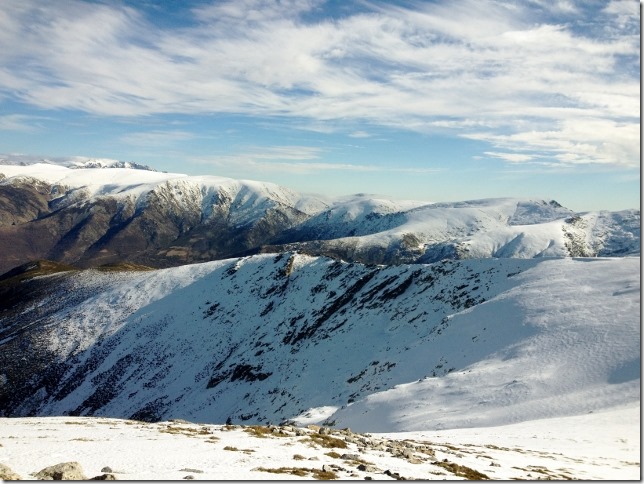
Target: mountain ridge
x,y
270,338
93,216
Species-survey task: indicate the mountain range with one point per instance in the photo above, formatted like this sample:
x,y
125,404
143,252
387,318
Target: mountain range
x,y
150,296
300,339
76,213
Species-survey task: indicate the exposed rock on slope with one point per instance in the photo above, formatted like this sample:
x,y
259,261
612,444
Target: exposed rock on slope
x,y
94,216
89,217
267,338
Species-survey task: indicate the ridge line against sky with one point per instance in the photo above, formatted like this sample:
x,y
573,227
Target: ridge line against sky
x,y
431,100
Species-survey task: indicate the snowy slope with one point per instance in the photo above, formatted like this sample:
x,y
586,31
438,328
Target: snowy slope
x,y
93,216
271,338
376,231
177,188
600,445
566,351
75,162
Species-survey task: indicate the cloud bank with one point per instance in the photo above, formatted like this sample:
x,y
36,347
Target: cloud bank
x,y
541,82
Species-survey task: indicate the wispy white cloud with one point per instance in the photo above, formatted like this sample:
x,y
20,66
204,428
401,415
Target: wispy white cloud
x,y
587,141
21,122
359,134
156,138
294,160
279,160
511,157
486,70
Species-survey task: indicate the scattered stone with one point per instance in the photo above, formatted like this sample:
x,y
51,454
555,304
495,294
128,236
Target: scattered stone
x,y
65,471
368,468
189,477
104,477
188,469
6,474
107,469
395,475
324,431
350,457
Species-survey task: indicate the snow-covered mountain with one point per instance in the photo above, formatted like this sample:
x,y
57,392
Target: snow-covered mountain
x,y
74,162
384,232
306,339
362,312
93,216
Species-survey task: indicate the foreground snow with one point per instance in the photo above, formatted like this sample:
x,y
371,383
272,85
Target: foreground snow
x,y
600,445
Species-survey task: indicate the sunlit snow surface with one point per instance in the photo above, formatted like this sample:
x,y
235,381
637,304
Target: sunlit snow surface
x,y
600,445
380,349
365,228
566,340
531,364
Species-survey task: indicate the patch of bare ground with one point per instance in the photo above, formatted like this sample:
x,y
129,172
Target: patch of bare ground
x,y
263,431
461,470
235,449
187,431
322,475
326,441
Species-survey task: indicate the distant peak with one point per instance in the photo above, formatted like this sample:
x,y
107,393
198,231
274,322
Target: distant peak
x,y
74,162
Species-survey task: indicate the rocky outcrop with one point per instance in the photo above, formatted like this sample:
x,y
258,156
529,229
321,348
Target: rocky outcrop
x,y
66,471
175,222
6,474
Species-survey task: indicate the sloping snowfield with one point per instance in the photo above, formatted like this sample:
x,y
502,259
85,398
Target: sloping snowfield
x,y
599,445
545,380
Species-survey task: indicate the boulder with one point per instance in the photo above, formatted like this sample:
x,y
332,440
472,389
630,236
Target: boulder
x,y
368,468
65,471
350,457
6,474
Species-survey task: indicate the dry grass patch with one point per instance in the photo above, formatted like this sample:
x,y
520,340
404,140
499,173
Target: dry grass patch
x,y
462,471
262,431
357,462
235,449
187,431
326,441
333,454
301,472
123,267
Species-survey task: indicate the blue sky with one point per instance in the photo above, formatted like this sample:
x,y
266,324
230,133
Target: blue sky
x,y
431,100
